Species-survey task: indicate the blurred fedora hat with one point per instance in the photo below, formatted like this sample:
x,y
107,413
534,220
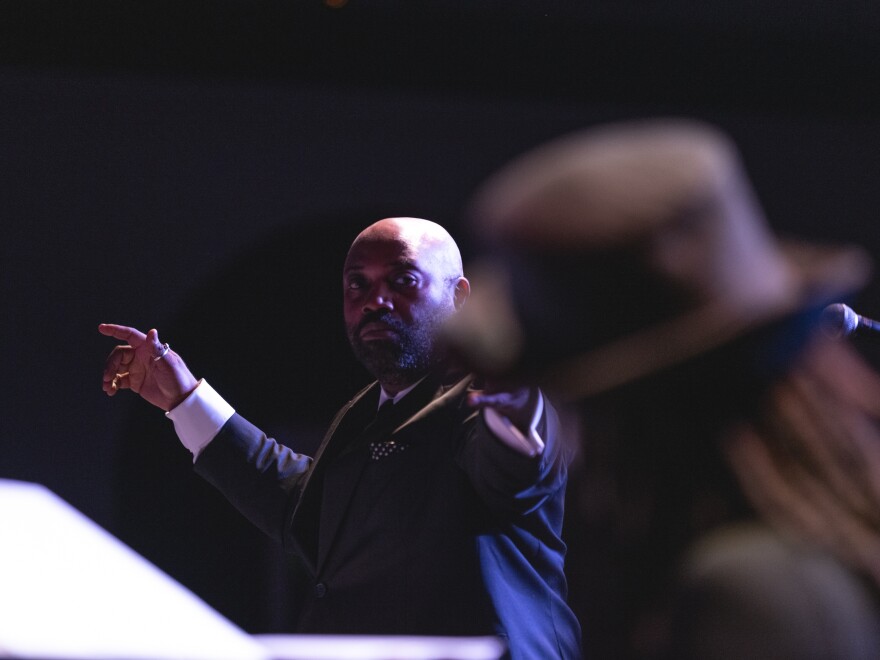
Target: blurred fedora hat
x,y
627,248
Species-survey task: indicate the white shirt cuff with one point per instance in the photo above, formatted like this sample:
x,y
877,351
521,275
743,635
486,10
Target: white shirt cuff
x,y
531,444
199,417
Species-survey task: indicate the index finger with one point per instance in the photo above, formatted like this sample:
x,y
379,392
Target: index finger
x,y
517,398
132,335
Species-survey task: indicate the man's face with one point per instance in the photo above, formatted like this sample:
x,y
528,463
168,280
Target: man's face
x,y
395,299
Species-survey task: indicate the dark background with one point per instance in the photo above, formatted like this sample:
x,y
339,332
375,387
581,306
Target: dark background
x,y
202,167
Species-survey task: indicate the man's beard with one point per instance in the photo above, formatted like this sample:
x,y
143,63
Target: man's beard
x,y
406,357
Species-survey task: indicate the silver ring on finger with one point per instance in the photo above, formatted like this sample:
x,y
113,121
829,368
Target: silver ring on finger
x,y
165,349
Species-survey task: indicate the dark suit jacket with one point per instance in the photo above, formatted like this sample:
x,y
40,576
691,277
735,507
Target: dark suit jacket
x,y
456,534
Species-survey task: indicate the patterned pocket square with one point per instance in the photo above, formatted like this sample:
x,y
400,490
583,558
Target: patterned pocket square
x,y
380,450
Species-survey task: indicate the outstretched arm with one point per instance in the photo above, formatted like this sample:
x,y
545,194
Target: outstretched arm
x,y
512,415
145,366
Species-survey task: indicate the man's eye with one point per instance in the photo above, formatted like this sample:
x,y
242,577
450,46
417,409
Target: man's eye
x,y
405,280
355,284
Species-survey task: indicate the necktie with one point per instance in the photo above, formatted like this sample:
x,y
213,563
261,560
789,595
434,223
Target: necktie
x,y
379,450
384,411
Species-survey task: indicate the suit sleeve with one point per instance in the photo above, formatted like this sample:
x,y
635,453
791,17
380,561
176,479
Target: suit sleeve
x,y
259,476
507,480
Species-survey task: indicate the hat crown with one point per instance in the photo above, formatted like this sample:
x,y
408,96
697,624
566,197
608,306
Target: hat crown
x,y
670,197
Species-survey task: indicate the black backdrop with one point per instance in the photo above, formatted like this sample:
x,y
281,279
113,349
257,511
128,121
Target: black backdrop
x,y
201,168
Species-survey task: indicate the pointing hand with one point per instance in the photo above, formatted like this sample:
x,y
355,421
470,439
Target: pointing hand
x,y
145,366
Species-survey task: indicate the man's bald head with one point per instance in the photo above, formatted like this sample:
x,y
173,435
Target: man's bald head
x,y
424,237
402,280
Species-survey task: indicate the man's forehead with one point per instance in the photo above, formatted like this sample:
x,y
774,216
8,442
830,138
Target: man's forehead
x,y
380,253
393,264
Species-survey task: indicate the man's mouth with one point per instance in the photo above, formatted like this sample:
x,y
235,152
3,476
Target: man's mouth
x,y
373,330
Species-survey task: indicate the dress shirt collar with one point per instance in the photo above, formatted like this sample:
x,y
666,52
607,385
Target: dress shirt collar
x,y
384,396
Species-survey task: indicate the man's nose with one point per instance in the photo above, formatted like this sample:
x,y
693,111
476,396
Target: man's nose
x,y
379,298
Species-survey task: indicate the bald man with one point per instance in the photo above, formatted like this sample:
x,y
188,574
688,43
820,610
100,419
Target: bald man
x,y
431,507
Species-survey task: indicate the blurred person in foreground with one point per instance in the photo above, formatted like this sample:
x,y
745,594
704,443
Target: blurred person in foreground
x,y
729,462
432,506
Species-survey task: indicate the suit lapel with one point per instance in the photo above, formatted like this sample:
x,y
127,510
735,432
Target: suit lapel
x,y
347,464
305,523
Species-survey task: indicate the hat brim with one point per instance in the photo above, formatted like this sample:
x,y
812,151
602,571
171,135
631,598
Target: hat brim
x,y
488,337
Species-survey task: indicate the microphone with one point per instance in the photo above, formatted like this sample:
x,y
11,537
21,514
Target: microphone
x,y
840,321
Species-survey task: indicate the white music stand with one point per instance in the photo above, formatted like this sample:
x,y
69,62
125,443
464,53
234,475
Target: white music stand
x,y
69,589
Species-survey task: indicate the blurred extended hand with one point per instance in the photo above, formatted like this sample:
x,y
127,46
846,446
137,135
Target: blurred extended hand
x,y
164,382
518,404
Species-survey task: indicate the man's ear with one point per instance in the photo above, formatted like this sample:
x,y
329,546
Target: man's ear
x,y
461,293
